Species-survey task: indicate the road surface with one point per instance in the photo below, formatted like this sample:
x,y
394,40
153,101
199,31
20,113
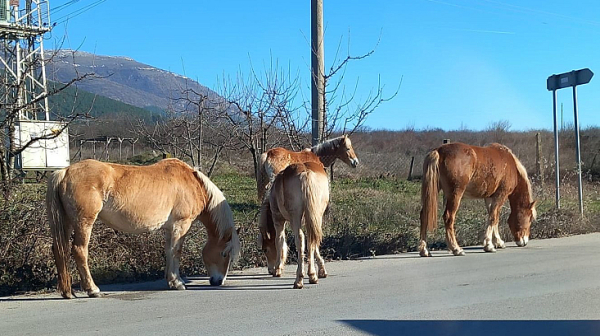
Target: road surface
x,y
550,287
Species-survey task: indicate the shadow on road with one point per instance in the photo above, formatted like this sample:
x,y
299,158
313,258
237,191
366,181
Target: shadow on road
x,y
475,328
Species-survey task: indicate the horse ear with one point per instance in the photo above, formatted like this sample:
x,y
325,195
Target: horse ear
x,y
238,230
532,205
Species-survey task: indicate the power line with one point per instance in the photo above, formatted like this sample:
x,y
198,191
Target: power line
x,y
78,12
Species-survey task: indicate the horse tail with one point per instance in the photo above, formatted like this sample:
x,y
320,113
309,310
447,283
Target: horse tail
x,y
261,177
60,230
429,191
314,193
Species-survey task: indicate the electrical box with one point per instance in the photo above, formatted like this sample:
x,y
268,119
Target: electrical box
x,y
4,11
47,154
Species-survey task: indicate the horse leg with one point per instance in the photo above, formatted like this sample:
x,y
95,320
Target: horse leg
x,y
495,240
173,246
489,231
321,263
312,274
299,235
498,242
281,246
423,251
81,240
452,203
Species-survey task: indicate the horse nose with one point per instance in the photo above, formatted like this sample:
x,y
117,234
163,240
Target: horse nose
x,y
354,163
216,281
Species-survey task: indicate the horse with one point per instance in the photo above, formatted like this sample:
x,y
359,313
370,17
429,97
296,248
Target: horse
x,y
299,194
277,159
493,173
168,195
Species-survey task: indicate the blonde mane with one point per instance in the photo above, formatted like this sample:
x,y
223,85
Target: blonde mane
x,y
221,213
327,146
523,172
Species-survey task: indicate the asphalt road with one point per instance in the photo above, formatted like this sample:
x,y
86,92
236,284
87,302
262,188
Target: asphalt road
x,y
550,287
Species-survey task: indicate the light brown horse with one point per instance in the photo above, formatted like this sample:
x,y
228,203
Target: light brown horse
x,y
277,159
168,195
493,173
299,194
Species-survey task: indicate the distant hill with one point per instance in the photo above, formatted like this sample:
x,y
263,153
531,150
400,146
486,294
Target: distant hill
x,y
122,79
75,100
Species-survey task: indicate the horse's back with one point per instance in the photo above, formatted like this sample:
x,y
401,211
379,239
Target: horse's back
x,y
132,198
280,158
480,171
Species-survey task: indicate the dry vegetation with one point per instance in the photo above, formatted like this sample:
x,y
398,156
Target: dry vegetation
x,y
374,209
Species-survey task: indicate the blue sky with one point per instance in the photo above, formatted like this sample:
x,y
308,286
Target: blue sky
x,y
464,63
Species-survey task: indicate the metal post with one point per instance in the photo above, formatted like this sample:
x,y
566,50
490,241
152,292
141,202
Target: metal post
x,y
577,149
318,70
556,149
538,158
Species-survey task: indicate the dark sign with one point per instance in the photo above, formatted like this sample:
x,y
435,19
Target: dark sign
x,y
573,78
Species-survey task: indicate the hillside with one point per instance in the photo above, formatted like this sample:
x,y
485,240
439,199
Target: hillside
x,y
75,100
122,79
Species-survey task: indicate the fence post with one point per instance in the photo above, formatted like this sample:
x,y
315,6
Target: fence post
x,y
538,158
410,170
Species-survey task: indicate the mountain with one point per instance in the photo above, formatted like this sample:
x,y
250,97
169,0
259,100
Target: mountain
x,y
123,79
75,100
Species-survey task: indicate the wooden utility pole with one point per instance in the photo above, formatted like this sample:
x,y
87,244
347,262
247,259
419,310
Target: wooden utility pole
x,y
318,70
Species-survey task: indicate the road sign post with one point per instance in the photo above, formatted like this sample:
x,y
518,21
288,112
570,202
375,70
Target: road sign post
x,y
556,82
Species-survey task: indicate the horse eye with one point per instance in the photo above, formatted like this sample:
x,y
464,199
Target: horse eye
x,y
224,254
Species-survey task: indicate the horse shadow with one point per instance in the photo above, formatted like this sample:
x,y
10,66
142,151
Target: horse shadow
x,y
475,327
273,283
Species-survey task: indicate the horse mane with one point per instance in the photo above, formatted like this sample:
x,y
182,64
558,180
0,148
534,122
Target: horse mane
x,y
220,212
327,145
523,173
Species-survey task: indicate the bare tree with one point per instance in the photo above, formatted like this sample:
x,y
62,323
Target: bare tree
x,y
261,112
12,109
343,111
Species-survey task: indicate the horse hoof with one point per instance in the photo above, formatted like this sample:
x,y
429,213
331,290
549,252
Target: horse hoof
x,y
96,295
425,253
489,248
322,274
298,285
277,274
458,252
180,287
500,245
313,280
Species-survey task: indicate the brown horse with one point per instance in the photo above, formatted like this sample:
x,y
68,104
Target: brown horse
x,y
277,159
168,195
299,194
493,173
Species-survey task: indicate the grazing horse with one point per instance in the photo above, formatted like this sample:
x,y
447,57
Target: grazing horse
x,y
299,194
168,195
493,173
277,159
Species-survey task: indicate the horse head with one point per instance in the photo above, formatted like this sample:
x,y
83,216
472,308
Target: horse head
x,y
346,152
266,236
218,253
519,222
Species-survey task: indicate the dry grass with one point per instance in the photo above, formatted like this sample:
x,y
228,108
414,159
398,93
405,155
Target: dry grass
x,y
374,211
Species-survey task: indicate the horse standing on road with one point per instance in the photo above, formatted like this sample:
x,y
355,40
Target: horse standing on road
x,y
493,173
299,194
277,159
168,195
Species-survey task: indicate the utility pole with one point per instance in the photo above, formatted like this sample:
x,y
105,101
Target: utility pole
x,y
22,54
317,70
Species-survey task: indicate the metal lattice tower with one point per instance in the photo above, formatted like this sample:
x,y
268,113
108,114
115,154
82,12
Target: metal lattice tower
x,y
22,63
